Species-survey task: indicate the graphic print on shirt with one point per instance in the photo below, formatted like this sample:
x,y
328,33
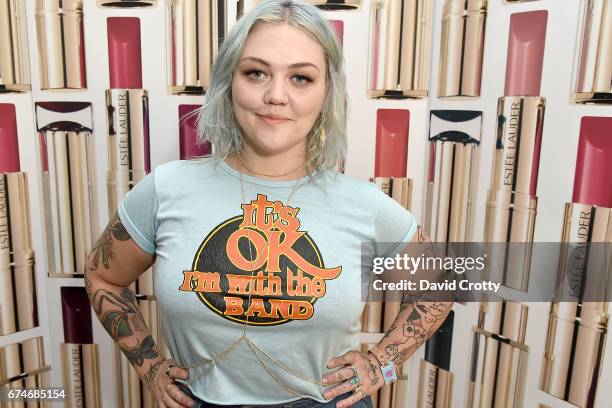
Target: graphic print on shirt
x,y
259,267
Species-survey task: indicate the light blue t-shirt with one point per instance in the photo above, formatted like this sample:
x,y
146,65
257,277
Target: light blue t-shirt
x,y
291,270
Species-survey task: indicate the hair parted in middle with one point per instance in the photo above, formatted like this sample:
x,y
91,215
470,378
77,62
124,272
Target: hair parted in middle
x,y
216,120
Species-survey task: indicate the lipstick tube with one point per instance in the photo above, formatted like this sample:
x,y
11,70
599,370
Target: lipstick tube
x,y
131,391
68,175
61,44
14,65
336,5
126,3
593,68
23,365
576,336
399,49
18,306
196,28
498,361
188,133
79,354
436,379
511,199
462,47
454,137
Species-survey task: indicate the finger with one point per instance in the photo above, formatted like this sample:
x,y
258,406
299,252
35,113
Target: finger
x,y
337,376
170,402
179,396
343,388
350,401
344,359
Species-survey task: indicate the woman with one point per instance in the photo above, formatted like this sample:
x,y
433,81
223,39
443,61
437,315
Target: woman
x,y
257,251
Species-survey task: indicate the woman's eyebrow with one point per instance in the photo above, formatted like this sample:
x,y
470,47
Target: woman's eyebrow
x,y
296,65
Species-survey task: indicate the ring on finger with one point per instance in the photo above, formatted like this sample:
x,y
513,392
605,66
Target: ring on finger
x,y
355,380
358,389
168,370
355,372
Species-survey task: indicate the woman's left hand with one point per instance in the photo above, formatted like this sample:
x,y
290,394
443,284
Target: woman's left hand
x,y
358,373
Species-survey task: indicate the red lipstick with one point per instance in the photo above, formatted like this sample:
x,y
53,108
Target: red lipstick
x,y
9,150
18,310
525,56
188,133
511,199
592,181
124,58
576,335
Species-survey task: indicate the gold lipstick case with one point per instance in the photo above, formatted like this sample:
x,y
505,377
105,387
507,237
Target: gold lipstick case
x,y
126,3
576,336
593,68
196,28
23,365
498,361
454,138
14,63
81,375
68,179
462,47
400,36
18,301
511,200
61,44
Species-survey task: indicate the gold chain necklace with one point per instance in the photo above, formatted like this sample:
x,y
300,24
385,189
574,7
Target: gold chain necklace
x,y
268,175
253,346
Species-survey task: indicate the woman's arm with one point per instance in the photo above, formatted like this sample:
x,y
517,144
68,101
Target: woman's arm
x,y
115,262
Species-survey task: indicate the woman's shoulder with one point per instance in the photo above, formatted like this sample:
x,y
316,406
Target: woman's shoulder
x,y
177,170
352,187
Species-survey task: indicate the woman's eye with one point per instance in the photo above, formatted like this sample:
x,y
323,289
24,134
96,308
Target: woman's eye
x,y
255,74
302,79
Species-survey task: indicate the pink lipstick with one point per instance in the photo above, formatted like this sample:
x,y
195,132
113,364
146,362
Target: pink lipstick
x,y
188,133
511,199
576,335
18,308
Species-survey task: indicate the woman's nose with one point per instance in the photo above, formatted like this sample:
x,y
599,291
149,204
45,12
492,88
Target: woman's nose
x,y
276,94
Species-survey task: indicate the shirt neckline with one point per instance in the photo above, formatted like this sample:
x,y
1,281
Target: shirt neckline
x,y
266,182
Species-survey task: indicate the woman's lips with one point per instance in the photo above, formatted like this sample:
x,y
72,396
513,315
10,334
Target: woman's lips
x,y
271,121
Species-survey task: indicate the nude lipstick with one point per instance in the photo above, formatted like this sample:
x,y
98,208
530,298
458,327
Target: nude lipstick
x,y
593,67
18,307
454,138
14,65
511,199
68,180
79,354
576,336
436,379
61,44
462,48
23,365
196,28
399,49
188,133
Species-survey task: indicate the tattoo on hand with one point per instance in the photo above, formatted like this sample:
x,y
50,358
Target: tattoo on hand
x,y
150,376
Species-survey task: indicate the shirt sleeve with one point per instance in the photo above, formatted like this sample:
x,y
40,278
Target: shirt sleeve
x,y
394,226
138,213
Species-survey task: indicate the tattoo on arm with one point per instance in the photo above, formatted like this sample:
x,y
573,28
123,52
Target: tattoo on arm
x,y
103,249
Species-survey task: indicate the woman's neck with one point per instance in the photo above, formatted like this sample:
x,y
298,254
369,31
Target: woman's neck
x,y
280,167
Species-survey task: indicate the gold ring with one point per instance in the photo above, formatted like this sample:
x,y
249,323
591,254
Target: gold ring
x,y
358,389
168,370
355,372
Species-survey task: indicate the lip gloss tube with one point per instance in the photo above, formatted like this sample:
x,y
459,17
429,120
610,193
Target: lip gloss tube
x,y
511,199
462,47
576,336
593,68
436,379
454,138
14,65
336,5
188,133
132,392
61,44
128,120
68,179
23,365
126,3
498,360
79,354
399,49
18,301
195,30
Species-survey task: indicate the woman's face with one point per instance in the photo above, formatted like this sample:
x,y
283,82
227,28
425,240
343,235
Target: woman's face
x,y
278,88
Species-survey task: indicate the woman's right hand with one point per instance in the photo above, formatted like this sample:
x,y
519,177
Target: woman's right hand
x,y
167,393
